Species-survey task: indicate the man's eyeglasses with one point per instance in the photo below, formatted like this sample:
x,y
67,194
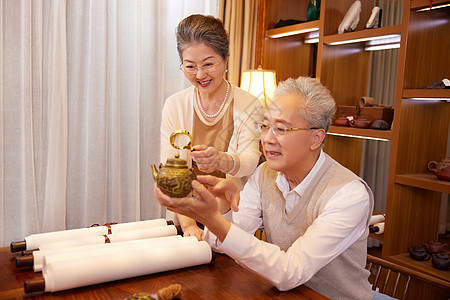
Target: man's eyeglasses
x,y
193,69
278,129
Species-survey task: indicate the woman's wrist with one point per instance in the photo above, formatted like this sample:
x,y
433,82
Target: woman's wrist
x,y
233,168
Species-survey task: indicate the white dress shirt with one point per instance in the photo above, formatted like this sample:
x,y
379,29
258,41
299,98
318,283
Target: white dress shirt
x,y
343,220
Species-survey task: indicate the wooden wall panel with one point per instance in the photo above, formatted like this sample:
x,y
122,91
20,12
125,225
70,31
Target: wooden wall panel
x,y
350,157
345,71
289,57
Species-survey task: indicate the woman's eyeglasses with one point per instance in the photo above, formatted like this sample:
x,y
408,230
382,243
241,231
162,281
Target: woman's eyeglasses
x,y
193,69
278,129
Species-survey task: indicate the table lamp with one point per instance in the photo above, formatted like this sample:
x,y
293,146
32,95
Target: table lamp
x,y
260,83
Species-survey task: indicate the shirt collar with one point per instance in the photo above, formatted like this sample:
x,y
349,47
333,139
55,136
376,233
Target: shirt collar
x,y
283,184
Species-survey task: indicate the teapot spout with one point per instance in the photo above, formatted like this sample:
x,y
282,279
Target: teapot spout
x,y
154,172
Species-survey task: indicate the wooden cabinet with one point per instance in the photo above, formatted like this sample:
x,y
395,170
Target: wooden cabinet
x,y
421,123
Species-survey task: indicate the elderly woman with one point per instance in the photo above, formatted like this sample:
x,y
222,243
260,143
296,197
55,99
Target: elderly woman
x,y
219,115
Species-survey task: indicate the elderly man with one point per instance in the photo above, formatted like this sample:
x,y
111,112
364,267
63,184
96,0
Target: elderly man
x,y
315,212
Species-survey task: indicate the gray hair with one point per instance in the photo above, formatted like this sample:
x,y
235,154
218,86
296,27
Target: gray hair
x,y
318,107
202,29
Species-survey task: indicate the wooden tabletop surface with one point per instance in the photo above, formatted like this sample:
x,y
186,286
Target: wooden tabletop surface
x,y
221,279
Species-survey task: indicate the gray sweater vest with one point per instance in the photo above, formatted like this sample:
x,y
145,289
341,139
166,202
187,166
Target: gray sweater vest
x,y
345,277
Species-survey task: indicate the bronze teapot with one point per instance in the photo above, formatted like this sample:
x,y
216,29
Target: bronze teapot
x,y
174,178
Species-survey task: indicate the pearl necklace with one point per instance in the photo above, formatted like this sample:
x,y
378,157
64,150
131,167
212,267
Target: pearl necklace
x,y
221,106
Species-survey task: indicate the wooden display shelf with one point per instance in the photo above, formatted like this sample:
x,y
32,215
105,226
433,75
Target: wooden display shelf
x,y
354,37
438,276
424,181
360,132
293,29
376,236
443,94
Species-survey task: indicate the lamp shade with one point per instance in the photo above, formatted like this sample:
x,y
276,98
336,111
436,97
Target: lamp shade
x,y
260,83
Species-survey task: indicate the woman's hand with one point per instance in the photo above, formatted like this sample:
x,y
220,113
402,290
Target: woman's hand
x,y
194,230
209,159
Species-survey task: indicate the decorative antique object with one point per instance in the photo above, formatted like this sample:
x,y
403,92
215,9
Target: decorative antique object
x,y
175,178
445,162
443,174
441,261
418,253
441,169
370,113
435,247
342,121
380,125
351,18
361,123
369,102
313,12
375,18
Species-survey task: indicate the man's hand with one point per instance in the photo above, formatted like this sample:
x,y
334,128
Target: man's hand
x,y
223,189
204,206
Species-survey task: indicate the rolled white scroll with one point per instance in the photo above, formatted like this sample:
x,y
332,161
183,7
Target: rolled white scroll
x,y
38,256
376,219
35,240
113,238
63,275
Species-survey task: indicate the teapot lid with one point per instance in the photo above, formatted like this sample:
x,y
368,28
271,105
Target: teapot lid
x,y
176,162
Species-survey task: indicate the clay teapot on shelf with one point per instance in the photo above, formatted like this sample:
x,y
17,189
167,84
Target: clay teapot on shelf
x,y
342,121
441,261
361,122
435,247
175,178
439,165
418,253
441,169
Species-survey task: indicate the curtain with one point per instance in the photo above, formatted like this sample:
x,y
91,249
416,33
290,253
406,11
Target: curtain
x,y
82,85
375,161
239,18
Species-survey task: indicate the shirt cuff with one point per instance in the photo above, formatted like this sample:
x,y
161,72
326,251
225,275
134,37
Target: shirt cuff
x,y
236,242
212,240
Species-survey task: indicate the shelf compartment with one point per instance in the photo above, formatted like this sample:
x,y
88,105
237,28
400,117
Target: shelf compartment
x,y
424,181
293,29
360,133
375,236
438,94
363,35
425,267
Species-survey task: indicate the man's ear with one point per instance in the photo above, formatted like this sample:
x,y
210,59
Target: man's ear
x,y
317,138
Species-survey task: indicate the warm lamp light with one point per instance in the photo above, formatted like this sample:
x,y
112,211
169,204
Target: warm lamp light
x,y
260,83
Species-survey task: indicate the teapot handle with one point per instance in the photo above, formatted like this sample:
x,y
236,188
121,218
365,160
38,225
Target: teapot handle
x,y
187,146
432,165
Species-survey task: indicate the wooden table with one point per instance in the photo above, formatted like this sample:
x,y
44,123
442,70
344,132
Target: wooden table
x,y
221,279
